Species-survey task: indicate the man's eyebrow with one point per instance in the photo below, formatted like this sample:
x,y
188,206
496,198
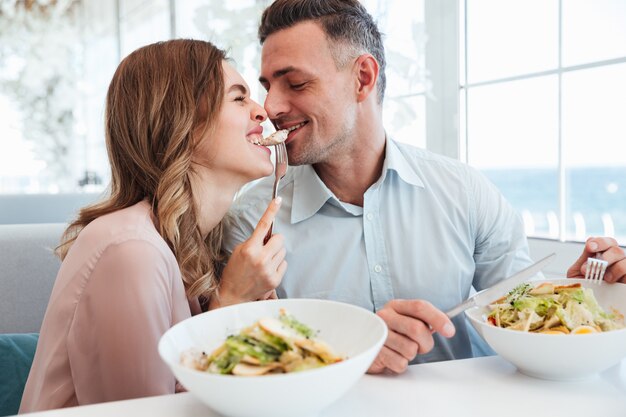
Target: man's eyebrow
x,y
278,73
242,88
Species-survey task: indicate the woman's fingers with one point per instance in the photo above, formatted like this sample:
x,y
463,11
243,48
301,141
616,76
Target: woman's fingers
x,y
254,270
611,252
263,226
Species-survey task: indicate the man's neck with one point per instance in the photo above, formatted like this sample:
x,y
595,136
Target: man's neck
x,y
351,173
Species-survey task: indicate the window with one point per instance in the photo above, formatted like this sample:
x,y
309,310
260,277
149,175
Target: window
x,y
58,59
542,99
539,108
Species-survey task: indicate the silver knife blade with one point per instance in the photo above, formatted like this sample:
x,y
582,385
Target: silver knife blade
x,y
487,296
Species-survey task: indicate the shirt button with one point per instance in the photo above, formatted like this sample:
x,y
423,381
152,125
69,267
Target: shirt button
x,y
378,268
369,216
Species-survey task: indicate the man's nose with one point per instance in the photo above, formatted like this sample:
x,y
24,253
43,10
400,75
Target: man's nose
x,y
275,104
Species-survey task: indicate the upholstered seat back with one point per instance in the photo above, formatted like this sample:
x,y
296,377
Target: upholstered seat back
x,y
28,268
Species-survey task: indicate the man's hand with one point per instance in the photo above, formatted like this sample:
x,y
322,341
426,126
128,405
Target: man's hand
x,y
254,270
611,252
411,324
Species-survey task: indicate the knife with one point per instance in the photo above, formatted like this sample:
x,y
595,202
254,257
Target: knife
x,y
487,296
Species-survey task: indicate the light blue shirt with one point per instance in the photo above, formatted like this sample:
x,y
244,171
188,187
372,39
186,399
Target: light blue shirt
x,y
430,228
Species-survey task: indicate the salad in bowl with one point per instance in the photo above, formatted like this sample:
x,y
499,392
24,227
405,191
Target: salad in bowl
x,y
561,329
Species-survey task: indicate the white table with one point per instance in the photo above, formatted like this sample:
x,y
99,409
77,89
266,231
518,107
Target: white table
x,y
482,387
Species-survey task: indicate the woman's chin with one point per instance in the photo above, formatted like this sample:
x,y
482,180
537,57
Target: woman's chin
x,y
262,172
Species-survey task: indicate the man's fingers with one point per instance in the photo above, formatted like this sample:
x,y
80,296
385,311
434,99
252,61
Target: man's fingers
x,y
266,220
402,345
388,359
426,312
413,328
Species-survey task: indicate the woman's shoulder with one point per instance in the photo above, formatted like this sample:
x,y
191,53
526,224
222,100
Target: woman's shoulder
x,y
133,220
130,226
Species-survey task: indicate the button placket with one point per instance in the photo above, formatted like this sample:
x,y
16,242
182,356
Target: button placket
x,y
375,250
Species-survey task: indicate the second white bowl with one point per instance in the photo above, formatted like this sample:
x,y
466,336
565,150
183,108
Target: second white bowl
x,y
559,357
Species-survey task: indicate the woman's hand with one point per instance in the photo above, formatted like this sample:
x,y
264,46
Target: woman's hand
x,y
254,269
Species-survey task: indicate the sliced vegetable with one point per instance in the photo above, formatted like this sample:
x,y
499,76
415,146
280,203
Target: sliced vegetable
x,y
268,346
567,309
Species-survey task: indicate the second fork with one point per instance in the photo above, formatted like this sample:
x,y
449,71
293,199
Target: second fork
x,y
596,268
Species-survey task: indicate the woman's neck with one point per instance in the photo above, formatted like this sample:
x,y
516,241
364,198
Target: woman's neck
x,y
212,196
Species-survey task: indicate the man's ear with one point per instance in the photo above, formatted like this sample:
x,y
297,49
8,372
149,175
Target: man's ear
x,y
366,70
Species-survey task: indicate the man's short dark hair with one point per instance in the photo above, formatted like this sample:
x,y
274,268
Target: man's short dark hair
x,y
350,29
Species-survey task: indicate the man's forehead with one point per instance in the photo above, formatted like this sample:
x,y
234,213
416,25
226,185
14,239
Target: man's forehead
x,y
296,49
302,38
300,33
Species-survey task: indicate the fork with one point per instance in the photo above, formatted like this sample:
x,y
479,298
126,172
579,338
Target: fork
x,y
279,173
596,268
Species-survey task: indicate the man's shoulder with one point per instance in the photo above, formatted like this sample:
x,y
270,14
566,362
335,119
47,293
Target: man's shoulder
x,y
421,159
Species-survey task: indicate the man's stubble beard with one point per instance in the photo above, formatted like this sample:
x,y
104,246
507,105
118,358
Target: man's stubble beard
x,y
312,153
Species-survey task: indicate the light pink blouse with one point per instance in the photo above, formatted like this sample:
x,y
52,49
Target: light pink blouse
x,y
118,290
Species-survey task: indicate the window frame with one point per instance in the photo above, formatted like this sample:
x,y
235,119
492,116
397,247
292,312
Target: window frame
x,y
444,117
444,120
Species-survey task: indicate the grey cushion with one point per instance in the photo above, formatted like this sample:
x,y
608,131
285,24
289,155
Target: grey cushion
x,y
42,208
28,268
16,357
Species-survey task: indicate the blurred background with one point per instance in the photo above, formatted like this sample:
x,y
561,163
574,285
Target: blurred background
x,y
531,92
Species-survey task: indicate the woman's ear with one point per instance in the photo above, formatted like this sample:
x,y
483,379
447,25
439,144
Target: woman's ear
x,y
366,69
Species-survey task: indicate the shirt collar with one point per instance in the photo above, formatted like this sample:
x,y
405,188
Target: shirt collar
x,y
396,161
310,193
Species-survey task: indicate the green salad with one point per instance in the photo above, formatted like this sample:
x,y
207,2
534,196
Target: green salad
x,y
269,346
550,309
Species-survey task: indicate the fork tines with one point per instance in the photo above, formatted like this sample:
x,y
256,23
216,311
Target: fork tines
x,y
595,269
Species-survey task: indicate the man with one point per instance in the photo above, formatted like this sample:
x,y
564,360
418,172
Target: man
x,y
367,220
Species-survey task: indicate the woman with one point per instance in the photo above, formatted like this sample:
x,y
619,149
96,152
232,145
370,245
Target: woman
x,y
180,127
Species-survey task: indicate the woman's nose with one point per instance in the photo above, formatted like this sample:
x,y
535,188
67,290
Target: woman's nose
x,y
258,112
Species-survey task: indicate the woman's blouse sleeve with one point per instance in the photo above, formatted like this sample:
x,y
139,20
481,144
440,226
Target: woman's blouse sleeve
x,y
126,306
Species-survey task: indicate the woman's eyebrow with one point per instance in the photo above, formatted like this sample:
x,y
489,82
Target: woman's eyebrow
x,y
242,88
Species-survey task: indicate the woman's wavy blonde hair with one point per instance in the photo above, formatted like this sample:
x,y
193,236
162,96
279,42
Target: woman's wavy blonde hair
x,y
160,98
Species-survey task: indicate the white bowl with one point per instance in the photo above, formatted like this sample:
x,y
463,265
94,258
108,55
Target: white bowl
x,y
559,357
351,332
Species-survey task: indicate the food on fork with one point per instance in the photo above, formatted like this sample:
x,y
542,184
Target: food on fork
x,y
553,309
279,136
269,346
275,138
